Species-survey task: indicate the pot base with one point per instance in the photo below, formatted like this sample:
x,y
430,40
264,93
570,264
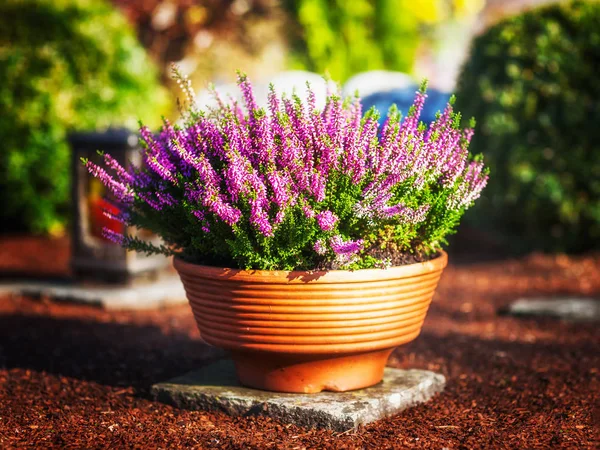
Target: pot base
x,y
310,374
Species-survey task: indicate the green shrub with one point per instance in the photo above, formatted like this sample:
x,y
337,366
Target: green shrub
x,y
532,82
63,65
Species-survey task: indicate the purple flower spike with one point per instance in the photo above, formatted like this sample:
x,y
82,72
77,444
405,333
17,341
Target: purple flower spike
x,y
122,192
124,176
326,220
345,251
113,236
121,217
407,214
308,211
341,247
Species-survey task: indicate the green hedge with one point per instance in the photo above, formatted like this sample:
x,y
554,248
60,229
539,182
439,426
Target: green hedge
x,y
533,83
64,64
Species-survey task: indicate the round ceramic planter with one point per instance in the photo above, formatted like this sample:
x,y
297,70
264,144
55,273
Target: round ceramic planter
x,y
310,331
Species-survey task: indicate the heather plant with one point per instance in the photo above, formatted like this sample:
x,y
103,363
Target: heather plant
x,y
290,186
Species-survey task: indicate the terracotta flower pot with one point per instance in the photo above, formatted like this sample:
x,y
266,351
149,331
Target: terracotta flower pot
x,y
310,331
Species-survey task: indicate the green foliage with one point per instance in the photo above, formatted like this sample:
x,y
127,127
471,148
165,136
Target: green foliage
x,y
345,38
532,82
63,65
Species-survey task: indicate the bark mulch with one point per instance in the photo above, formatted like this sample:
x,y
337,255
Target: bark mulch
x,y
78,377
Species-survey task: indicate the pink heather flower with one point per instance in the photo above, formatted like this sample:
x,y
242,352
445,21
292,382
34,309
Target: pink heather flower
x,y
156,156
279,186
406,214
124,176
165,198
319,247
468,134
122,192
326,220
224,211
193,193
412,120
147,198
236,174
202,218
345,251
469,188
113,236
247,92
308,211
141,179
318,187
279,217
376,198
260,219
339,246
418,215
121,217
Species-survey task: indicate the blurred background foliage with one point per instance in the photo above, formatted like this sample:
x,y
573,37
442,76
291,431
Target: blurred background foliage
x,y
532,83
530,80
345,38
211,39
63,65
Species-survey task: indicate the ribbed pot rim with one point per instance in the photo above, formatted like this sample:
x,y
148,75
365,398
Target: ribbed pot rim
x,y
238,284
317,276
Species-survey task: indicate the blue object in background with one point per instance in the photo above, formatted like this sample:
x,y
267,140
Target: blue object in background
x,y
403,98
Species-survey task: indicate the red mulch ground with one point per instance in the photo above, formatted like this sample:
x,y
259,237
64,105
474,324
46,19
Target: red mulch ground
x,y
78,377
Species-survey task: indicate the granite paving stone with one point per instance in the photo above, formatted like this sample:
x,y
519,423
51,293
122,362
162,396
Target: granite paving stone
x,y
215,388
166,291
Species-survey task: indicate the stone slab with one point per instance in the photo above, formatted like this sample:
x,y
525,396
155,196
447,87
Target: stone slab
x,y
152,294
215,388
567,308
